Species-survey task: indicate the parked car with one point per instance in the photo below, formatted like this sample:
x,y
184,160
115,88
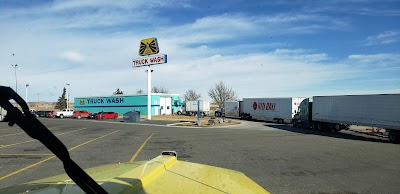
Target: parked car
x,y
43,113
64,113
34,113
93,115
107,115
81,114
50,114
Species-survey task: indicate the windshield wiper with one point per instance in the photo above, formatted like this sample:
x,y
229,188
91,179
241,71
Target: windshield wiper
x,y
35,129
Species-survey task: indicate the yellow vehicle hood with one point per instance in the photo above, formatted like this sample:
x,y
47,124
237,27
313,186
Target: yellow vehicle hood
x,y
163,174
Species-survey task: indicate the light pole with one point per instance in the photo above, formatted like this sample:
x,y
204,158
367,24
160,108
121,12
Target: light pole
x,y
26,93
67,96
16,83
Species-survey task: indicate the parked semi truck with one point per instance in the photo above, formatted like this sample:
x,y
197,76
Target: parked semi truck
x,y
279,110
339,112
191,107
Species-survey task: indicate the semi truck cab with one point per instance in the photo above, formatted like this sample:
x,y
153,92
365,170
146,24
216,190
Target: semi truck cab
x,y
303,116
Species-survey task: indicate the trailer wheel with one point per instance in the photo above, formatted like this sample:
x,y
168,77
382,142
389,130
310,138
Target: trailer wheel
x,y
294,123
394,136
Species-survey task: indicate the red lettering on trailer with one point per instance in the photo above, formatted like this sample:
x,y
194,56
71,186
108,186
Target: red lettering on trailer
x,y
264,106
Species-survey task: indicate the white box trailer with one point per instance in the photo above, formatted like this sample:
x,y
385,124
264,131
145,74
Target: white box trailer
x,y
280,110
338,112
381,111
192,106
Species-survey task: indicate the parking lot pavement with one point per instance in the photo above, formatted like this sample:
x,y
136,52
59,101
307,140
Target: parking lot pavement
x,y
280,158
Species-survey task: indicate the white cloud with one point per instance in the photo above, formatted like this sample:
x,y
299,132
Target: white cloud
x,y
380,59
387,37
73,56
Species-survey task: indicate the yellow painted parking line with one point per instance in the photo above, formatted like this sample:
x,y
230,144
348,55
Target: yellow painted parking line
x,y
70,131
4,146
26,155
11,134
25,168
140,148
47,159
92,140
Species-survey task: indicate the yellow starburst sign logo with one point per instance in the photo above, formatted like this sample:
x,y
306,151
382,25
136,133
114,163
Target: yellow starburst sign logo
x,y
82,102
148,47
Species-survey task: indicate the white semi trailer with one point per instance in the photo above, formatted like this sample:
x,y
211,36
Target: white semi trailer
x,y
338,112
279,110
191,107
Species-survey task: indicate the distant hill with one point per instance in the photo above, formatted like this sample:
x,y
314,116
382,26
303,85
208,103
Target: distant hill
x,y
42,105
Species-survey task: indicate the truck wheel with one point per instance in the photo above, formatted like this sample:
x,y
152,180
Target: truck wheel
x,y
217,114
103,117
61,116
394,136
79,116
337,127
320,127
179,113
294,123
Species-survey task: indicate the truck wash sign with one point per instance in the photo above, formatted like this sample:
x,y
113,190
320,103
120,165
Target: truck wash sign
x,y
264,106
150,60
93,101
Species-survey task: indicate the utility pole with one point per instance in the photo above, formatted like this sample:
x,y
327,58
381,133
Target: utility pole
x,y
68,95
16,83
26,93
38,100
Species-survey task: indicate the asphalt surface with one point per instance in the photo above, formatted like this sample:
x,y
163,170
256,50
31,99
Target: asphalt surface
x,y
280,158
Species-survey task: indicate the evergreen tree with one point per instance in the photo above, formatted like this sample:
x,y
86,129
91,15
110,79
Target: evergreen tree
x,y
62,101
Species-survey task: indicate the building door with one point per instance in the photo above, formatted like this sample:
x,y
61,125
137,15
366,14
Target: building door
x,y
162,105
168,104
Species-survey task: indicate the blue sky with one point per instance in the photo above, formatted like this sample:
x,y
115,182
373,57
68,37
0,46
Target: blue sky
x,y
259,48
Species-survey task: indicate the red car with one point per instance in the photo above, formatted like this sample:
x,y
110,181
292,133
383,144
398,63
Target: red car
x,y
107,115
81,113
50,114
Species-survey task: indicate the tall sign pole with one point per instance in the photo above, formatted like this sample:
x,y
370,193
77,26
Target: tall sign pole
x,y
149,49
149,93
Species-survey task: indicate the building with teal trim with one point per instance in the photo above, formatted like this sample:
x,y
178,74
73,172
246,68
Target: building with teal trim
x,y
161,104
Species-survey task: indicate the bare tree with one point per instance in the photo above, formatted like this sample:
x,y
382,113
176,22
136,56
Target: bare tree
x,y
221,93
156,89
140,91
191,95
118,92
